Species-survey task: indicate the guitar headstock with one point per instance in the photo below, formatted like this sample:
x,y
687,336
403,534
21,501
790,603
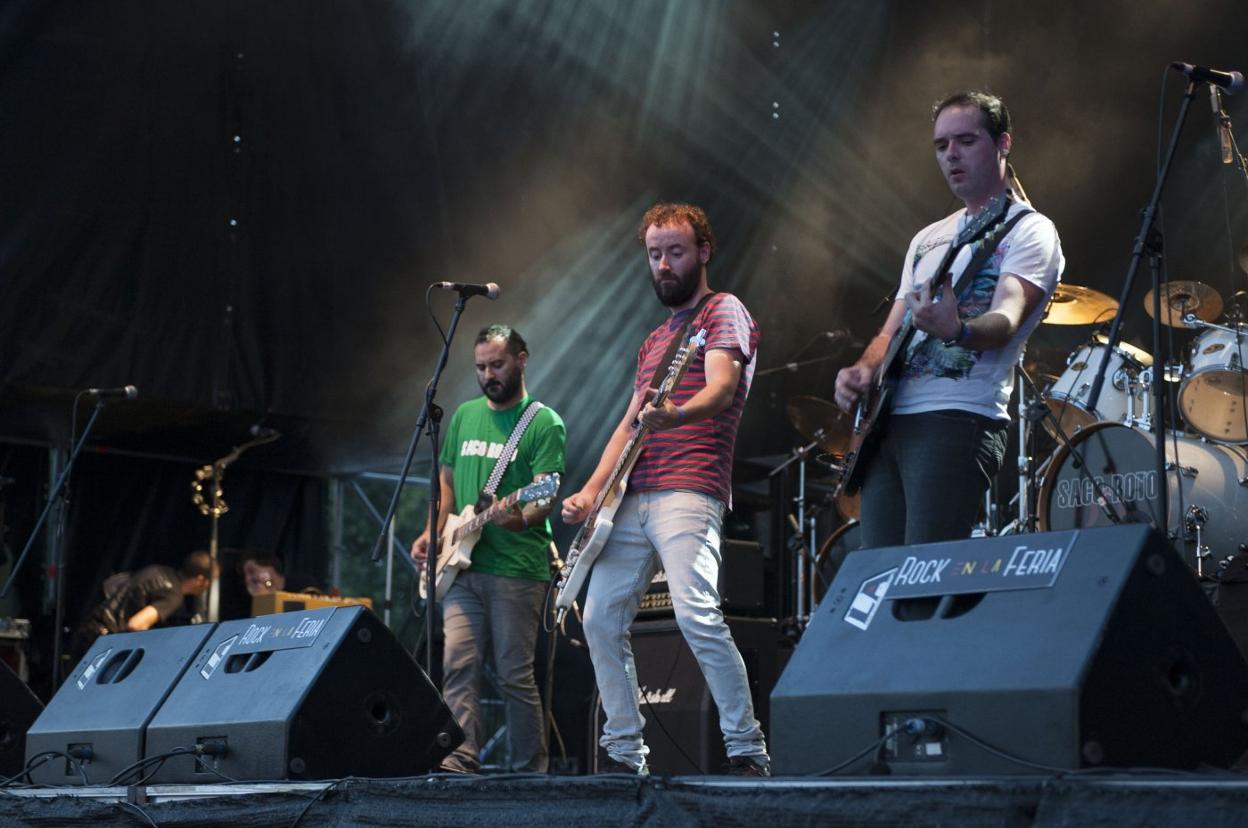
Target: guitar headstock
x,y
543,489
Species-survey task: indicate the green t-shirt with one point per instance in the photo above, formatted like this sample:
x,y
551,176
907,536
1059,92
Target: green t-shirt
x,y
474,438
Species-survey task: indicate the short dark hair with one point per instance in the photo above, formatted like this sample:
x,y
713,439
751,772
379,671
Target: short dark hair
x,y
667,213
996,116
196,564
515,342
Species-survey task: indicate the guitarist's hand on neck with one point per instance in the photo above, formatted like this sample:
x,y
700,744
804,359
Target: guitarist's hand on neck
x,y
934,309
723,372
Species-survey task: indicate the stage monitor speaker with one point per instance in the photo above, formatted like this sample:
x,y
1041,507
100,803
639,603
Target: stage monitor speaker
x,y
18,709
1075,649
99,714
682,723
318,694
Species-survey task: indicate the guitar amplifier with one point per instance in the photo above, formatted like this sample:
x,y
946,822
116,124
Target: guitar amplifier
x,y
740,583
271,603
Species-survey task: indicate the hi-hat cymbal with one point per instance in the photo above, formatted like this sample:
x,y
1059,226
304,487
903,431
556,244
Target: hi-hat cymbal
x,y
1181,298
818,419
1075,305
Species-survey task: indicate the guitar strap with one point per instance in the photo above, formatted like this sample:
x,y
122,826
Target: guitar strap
x,y
660,369
509,451
992,235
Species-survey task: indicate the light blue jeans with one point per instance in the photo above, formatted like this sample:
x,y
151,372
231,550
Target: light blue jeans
x,y
493,613
683,529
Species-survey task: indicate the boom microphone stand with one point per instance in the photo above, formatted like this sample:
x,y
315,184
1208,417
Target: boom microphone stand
x,y
430,417
1145,242
55,498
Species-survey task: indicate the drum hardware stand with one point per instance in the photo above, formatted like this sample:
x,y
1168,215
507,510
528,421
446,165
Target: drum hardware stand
x,y
803,540
214,473
1194,521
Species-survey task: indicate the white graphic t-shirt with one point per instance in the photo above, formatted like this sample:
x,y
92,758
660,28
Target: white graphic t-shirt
x,y
937,377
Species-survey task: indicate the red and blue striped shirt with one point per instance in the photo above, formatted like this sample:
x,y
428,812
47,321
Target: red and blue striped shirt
x,y
698,456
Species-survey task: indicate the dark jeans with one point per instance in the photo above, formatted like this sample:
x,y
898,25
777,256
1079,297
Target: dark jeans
x,y
925,478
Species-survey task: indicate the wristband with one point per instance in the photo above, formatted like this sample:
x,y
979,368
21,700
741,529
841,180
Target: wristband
x,y
963,332
523,521
680,416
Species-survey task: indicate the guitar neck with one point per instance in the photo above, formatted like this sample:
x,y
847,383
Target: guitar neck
x,y
481,518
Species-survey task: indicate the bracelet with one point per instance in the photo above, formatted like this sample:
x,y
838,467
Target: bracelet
x,y
524,522
680,416
964,332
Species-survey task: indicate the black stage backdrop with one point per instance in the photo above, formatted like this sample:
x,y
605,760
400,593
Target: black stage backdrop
x,y
237,206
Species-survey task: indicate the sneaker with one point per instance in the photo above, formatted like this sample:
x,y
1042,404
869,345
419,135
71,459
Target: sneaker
x,y
749,765
616,766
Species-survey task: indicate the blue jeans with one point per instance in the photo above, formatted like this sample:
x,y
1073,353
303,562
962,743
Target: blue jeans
x,y
925,479
492,612
679,530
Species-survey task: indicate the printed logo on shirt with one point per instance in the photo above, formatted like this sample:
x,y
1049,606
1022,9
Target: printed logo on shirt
x,y
480,448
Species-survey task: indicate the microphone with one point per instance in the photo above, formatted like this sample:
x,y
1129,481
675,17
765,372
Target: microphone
x,y
1231,81
128,392
488,290
1223,126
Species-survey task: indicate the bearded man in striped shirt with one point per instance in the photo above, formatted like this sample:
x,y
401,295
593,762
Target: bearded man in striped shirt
x,y
676,498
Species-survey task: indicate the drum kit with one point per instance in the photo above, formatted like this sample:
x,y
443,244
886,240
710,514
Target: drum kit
x,y
1105,452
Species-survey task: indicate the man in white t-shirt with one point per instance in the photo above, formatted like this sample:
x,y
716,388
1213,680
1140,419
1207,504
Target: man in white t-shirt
x,y
944,439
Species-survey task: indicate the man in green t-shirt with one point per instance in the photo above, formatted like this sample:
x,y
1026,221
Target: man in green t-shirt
x,y
496,603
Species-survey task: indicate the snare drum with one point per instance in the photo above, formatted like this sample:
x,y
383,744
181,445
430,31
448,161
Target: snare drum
x,y
1213,394
1123,398
1204,487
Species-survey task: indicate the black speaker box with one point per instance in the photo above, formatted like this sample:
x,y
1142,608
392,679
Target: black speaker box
x,y
100,712
18,709
317,694
682,723
740,583
1076,649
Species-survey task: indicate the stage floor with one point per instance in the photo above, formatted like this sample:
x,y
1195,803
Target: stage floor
x,y
1163,799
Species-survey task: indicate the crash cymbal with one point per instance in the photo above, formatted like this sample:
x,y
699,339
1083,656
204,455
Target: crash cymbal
x,y
1181,298
1075,305
1243,258
811,415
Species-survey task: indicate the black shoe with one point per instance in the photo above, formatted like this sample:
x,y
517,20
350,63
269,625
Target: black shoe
x,y
616,766
749,765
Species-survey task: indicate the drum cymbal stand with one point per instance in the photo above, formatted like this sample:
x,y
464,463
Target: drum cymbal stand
x,y
1024,520
802,543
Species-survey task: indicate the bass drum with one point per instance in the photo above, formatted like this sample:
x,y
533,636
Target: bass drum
x,y
1203,484
832,554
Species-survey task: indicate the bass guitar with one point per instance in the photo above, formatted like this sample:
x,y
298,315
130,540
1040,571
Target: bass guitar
x,y
592,535
462,531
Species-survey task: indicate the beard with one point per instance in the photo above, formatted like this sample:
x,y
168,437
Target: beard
x,y
674,289
500,391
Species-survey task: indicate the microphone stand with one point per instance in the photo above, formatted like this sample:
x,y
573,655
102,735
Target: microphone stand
x,y
1144,241
431,417
55,499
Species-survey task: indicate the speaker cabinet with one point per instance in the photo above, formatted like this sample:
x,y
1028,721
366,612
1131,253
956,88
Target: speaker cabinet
x,y
317,694
1076,649
18,709
100,712
682,723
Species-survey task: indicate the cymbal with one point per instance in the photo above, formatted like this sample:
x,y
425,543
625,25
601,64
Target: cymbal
x,y
1075,305
1181,298
812,415
1243,258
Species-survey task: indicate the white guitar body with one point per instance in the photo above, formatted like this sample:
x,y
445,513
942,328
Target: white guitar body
x,y
579,571
463,530
456,554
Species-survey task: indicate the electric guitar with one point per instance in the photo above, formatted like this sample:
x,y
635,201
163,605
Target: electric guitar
x,y
874,403
462,531
592,535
